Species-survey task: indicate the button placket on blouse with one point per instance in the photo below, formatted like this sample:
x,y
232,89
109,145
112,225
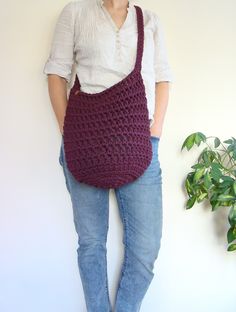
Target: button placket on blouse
x,y
114,26
118,44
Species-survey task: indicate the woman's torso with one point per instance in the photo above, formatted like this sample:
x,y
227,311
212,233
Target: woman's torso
x,y
105,54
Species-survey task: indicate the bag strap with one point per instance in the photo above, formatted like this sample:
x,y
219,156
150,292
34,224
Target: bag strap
x,y
140,40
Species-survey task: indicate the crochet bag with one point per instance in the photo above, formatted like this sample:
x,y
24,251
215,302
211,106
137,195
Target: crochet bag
x,y
106,135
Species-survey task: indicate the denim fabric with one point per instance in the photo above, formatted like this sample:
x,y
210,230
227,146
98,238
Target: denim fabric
x,y
140,209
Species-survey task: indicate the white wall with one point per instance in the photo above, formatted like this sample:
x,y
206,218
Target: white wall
x,y
38,268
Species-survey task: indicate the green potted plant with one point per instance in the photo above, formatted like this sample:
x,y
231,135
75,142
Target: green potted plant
x,y
213,178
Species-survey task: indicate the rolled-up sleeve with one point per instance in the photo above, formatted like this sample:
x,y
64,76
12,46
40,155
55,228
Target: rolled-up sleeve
x,y
162,68
61,57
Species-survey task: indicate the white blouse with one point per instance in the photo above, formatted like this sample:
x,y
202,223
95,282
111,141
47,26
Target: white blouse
x,y
87,36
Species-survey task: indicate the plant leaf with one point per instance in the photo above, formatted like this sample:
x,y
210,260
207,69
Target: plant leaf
x,y
232,215
207,180
199,137
231,234
215,171
206,158
234,187
198,174
232,247
189,141
228,141
191,202
198,166
228,179
216,142
188,186
224,197
201,197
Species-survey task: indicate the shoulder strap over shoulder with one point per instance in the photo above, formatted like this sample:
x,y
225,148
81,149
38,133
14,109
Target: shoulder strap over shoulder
x,y
140,42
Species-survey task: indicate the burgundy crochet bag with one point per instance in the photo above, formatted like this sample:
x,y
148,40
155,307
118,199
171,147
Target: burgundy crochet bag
x,y
106,135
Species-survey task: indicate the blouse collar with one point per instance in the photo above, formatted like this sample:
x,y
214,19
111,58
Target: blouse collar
x,y
130,3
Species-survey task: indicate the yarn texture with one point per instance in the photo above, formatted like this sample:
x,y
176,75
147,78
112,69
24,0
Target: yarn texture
x,y
106,135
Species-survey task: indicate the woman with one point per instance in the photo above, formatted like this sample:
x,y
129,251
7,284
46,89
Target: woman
x,y
100,37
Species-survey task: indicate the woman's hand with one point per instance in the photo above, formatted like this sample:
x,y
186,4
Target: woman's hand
x,y
162,97
156,130
58,94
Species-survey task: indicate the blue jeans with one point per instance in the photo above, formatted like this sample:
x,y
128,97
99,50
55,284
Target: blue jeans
x,y
140,209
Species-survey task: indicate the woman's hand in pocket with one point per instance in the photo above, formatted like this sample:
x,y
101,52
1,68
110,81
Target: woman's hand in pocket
x,y
155,131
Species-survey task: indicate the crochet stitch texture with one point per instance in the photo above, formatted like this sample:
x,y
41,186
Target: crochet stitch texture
x,y
106,135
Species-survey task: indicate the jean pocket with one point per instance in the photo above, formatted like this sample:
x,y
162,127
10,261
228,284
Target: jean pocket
x,y
61,152
155,143
155,138
60,156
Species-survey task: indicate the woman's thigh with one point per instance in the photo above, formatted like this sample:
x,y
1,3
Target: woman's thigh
x,y
90,204
140,206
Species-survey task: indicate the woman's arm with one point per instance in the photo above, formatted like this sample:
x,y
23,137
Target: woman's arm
x,y
163,77
59,64
57,88
161,103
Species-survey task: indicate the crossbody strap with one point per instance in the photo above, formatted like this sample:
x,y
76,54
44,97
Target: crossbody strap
x,y
140,40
